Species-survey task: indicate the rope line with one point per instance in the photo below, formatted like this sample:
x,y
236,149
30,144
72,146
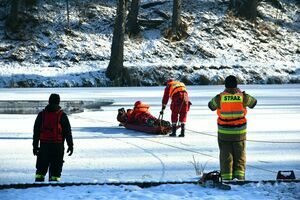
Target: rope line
x,y
197,152
258,141
193,151
203,133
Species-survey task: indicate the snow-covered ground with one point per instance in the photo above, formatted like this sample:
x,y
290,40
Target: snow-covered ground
x,y
171,192
219,44
104,151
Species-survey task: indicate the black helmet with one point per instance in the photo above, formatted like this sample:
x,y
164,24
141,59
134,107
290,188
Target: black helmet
x,y
230,82
54,99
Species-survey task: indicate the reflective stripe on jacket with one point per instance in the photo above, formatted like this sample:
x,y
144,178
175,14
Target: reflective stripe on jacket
x,y
176,86
51,129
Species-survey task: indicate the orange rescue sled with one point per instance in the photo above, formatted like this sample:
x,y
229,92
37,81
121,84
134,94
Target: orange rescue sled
x,y
158,130
161,127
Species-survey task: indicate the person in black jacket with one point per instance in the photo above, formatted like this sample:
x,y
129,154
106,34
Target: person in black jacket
x,y
51,129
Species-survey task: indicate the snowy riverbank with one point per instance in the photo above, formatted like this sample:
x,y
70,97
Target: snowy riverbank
x,y
219,44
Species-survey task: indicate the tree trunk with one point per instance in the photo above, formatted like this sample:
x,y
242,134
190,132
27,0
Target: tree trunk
x,y
12,20
176,18
133,26
244,8
31,3
178,30
115,67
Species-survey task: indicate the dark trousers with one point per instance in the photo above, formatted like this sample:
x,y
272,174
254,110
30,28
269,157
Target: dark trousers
x,y
232,159
50,156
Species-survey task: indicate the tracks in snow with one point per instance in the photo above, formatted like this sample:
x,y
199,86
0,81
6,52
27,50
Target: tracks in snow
x,y
169,145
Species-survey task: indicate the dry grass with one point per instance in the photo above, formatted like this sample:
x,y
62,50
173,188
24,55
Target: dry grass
x,y
199,168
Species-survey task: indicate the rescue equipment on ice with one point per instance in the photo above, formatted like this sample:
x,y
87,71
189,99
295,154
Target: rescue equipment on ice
x,y
213,179
151,124
286,175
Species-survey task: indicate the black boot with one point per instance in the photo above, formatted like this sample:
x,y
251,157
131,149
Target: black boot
x,y
182,130
173,134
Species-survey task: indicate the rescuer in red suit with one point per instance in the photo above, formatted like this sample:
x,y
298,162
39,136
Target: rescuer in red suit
x,y
180,104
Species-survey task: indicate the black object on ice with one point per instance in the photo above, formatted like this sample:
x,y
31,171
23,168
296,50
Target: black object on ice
x,y
213,180
289,174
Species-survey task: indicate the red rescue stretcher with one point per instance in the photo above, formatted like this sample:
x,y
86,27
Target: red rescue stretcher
x,y
158,130
161,128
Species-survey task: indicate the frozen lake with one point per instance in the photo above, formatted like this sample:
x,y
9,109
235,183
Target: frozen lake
x,y
103,151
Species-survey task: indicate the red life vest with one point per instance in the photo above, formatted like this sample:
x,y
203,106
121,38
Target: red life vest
x,y
51,130
139,109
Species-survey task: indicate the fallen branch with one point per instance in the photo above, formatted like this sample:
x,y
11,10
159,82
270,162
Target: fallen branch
x,y
152,4
150,23
162,14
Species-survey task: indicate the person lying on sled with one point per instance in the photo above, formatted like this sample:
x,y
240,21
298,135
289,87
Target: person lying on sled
x,y
140,115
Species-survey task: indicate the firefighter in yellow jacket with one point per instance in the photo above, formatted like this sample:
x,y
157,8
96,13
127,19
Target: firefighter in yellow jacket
x,y
231,109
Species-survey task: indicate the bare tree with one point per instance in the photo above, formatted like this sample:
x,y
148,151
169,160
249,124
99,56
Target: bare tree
x,y
133,26
176,17
244,8
12,20
115,68
30,3
178,28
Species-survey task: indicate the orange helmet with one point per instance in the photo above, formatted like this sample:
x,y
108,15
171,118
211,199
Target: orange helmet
x,y
169,81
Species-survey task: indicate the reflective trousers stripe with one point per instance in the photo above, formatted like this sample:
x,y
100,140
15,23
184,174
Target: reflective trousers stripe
x,y
55,178
226,176
39,176
238,173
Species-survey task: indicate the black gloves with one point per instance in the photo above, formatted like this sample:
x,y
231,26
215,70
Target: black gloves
x,y
70,149
163,107
36,151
